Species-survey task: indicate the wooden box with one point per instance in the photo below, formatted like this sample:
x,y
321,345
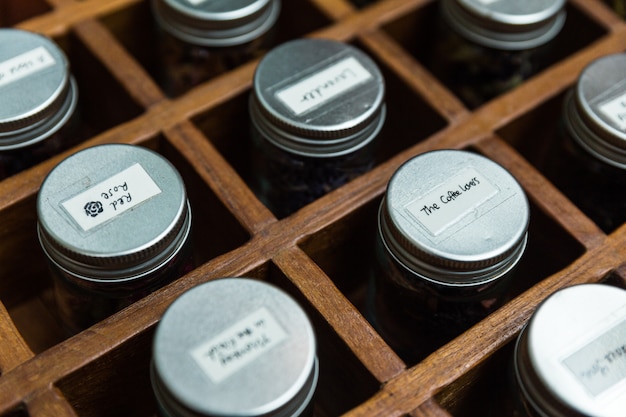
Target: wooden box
x,y
316,253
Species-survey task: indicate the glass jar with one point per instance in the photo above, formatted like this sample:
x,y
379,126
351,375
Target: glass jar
x,y
114,223
317,107
485,48
38,97
588,163
570,359
199,39
234,347
452,226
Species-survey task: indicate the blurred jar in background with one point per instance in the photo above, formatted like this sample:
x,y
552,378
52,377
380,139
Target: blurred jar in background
x,y
38,101
201,39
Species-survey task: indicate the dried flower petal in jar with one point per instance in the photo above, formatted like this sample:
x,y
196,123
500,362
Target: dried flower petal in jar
x,y
451,228
317,108
38,98
485,48
589,162
114,222
234,347
201,39
570,359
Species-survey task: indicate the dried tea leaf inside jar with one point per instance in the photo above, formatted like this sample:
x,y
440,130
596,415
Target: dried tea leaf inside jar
x,y
317,108
114,223
38,101
588,162
452,226
484,48
201,39
570,359
234,347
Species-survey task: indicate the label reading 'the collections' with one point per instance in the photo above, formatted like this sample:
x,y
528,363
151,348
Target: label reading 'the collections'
x,y
239,345
323,86
451,200
615,110
24,65
601,364
111,197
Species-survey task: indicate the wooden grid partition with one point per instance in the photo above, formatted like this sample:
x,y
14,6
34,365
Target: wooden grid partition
x,y
315,254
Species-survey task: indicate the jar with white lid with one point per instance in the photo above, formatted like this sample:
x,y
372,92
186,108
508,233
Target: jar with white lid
x,y
234,347
201,39
570,359
38,100
484,48
452,227
114,222
589,162
317,108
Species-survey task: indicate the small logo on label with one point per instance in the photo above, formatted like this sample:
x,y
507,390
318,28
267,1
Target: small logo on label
x,y
93,208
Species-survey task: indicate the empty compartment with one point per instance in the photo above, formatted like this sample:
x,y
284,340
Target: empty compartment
x,y
26,288
135,28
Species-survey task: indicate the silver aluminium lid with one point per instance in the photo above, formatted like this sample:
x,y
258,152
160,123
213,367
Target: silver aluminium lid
x,y
318,98
595,109
571,356
234,347
112,213
505,24
454,218
216,23
37,92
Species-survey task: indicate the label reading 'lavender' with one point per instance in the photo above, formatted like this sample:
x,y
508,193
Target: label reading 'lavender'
x,y
24,65
615,110
323,86
451,200
239,345
601,364
111,197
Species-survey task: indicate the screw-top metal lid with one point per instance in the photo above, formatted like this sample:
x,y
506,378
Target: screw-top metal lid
x,y
454,218
234,347
216,23
570,359
37,92
505,24
318,97
594,112
113,212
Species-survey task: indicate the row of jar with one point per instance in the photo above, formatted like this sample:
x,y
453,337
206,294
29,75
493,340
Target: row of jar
x,y
115,223
240,346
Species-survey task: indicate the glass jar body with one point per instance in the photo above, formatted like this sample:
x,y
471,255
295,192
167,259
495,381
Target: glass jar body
x,y
591,184
415,315
285,182
183,65
81,302
476,73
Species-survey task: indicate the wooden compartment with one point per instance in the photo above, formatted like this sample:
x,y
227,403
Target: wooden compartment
x,y
317,253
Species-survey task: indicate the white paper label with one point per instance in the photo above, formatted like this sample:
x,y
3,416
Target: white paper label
x,y
239,345
111,197
324,86
615,110
24,65
602,363
452,200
